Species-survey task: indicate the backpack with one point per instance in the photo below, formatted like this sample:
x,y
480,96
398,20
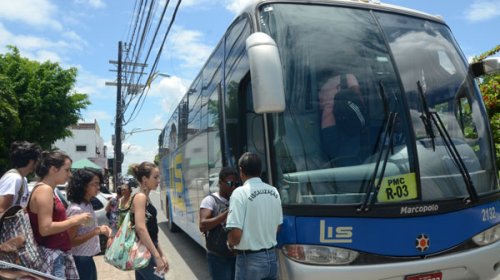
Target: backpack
x,y
349,110
216,238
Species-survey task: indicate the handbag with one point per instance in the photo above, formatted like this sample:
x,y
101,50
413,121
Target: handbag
x,y
125,251
15,223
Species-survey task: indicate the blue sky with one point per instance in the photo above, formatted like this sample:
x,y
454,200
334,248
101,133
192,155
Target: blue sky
x,y
85,34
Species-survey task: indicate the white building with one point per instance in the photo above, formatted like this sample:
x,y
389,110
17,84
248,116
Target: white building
x,y
86,142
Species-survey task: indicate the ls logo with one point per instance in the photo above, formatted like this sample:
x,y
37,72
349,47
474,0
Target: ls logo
x,y
342,234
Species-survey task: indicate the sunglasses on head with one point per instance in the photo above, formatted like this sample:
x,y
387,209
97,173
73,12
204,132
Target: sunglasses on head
x,y
232,184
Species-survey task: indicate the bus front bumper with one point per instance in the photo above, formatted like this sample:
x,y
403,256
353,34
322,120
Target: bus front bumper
x,y
481,263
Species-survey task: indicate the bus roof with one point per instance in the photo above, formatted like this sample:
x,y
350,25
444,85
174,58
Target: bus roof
x,y
372,4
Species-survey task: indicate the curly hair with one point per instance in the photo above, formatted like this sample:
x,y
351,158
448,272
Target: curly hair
x,y
21,152
79,183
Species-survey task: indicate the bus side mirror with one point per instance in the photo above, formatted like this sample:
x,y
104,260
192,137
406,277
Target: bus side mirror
x,y
266,74
485,67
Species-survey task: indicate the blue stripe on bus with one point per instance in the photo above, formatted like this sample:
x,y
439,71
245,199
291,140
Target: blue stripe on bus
x,y
392,236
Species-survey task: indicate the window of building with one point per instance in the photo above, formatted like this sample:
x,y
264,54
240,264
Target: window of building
x,y
81,148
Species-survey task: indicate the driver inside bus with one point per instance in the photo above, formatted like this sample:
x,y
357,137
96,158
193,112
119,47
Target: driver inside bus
x,y
342,118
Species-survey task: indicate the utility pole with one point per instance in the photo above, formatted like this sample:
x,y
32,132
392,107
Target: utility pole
x,y
117,168
118,154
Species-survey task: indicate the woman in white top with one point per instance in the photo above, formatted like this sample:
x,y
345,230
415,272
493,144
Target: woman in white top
x,y
83,186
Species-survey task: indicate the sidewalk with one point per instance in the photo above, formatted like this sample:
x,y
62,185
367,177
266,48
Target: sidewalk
x,y
108,272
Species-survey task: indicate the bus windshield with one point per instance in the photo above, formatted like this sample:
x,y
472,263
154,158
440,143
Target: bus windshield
x,y
355,127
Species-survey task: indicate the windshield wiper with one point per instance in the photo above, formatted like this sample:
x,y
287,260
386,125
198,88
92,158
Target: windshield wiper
x,y
426,116
388,132
450,146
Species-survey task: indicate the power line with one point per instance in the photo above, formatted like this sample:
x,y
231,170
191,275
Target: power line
x,y
155,64
147,22
152,44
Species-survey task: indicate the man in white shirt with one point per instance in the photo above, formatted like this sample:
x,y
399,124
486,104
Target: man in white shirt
x,y
254,218
13,184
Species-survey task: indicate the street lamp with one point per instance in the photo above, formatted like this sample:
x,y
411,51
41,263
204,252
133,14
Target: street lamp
x,y
138,129
154,76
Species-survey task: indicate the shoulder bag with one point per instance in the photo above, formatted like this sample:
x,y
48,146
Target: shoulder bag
x,y
125,251
14,223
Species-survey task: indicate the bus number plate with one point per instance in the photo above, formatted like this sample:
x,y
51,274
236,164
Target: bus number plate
x,y
426,276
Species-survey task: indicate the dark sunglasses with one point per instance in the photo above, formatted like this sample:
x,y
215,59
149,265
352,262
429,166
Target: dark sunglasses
x,y
232,184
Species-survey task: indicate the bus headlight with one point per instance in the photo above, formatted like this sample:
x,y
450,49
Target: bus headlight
x,y
319,255
488,236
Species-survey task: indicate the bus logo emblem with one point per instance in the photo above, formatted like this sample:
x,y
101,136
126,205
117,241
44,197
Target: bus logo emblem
x,y
342,234
423,242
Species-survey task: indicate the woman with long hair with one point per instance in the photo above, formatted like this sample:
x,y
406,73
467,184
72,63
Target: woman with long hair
x,y
112,211
48,215
124,202
146,225
83,186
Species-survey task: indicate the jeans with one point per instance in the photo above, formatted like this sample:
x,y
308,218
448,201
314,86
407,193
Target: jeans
x,y
59,269
86,267
221,267
147,273
257,266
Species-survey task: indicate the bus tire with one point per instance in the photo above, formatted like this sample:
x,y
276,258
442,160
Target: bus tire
x,y
172,227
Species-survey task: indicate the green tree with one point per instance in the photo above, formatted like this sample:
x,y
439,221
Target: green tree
x,y
37,100
490,90
130,170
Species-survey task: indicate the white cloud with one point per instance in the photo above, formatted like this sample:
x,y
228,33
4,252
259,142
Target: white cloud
x,y
171,87
186,45
200,3
44,55
39,48
481,10
134,153
5,38
100,116
93,85
97,4
75,40
171,90
158,121
235,6
38,13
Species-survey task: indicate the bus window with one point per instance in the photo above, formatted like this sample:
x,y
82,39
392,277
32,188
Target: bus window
x,y
318,44
236,69
214,141
433,70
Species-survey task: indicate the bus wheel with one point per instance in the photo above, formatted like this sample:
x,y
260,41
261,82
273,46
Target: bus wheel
x,y
170,223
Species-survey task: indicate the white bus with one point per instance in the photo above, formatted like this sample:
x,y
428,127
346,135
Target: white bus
x,y
395,180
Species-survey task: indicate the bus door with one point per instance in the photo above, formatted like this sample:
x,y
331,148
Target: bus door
x,y
243,127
